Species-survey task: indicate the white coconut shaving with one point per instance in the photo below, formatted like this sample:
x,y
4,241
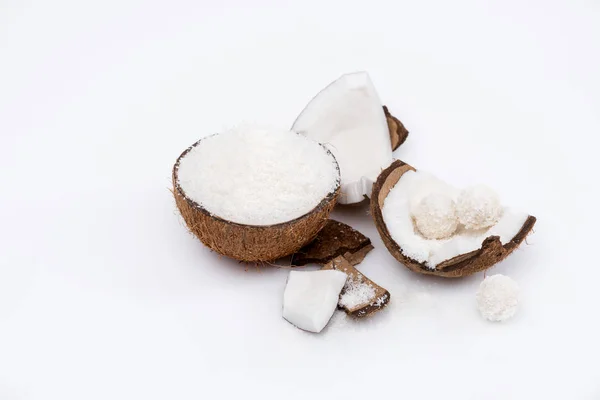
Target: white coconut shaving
x,y
498,298
258,176
347,116
381,300
356,293
412,187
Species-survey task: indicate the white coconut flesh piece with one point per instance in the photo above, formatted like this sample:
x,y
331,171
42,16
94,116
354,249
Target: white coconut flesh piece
x,y
258,176
348,118
311,297
408,192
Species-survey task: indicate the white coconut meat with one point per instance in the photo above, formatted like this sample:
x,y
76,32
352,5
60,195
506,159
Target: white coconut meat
x,y
311,298
347,116
257,175
406,195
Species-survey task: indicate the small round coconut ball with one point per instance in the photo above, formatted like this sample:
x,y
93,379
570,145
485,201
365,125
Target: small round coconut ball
x,y
478,207
498,297
435,216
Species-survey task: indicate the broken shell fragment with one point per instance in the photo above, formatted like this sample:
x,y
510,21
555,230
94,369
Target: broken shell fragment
x,y
360,296
398,133
335,239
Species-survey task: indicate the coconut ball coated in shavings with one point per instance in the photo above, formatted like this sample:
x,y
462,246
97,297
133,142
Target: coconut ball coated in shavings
x,y
478,207
498,298
435,216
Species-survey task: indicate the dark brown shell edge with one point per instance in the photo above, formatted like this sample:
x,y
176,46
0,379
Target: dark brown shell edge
x,y
248,242
398,133
491,252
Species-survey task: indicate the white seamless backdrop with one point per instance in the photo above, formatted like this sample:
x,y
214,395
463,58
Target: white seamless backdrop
x,y
103,293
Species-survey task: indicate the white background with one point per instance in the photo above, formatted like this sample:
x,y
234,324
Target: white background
x,y
103,293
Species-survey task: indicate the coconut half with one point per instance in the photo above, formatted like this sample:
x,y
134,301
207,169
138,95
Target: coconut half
x,y
348,117
496,243
256,196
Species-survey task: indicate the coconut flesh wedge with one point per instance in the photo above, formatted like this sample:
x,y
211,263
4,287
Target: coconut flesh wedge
x,y
256,194
465,253
349,119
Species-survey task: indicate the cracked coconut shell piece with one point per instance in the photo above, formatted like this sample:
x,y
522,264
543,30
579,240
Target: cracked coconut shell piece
x,y
380,299
250,243
341,247
491,251
398,133
335,239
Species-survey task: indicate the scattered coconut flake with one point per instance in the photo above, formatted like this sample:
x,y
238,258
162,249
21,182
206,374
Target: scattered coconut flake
x,y
311,298
347,116
412,187
356,293
498,298
381,301
258,176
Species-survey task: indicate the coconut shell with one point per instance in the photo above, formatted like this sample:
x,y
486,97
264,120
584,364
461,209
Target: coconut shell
x,y
491,252
398,133
379,301
249,242
335,239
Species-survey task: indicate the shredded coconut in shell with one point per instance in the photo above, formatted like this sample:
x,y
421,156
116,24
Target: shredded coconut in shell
x,y
356,293
258,176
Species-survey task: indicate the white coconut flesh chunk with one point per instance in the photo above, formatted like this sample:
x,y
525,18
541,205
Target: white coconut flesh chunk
x,y
412,187
311,298
347,116
258,176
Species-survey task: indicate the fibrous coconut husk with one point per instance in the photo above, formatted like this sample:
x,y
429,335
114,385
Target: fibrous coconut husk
x,y
339,246
398,133
491,252
249,242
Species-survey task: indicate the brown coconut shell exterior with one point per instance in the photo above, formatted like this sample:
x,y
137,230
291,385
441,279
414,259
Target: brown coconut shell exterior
x,y
250,243
335,239
398,133
491,252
